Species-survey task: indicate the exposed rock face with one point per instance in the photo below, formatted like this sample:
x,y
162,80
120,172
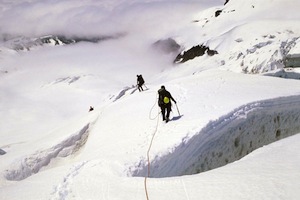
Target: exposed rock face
x,y
217,13
193,52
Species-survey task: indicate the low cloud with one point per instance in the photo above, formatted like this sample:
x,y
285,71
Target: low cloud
x,y
92,17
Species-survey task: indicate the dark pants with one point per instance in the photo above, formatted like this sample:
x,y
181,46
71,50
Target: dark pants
x,y
140,87
164,109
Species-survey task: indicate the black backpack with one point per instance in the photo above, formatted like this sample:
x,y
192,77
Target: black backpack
x,y
163,97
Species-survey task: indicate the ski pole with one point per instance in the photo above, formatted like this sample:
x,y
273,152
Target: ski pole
x,y
177,109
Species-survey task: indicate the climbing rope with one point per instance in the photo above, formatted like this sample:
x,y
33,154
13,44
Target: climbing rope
x,y
150,113
148,152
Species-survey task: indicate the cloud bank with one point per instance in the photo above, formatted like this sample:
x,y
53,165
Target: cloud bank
x,y
92,17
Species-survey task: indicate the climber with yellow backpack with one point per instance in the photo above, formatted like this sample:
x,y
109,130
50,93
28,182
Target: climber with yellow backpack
x,y
164,102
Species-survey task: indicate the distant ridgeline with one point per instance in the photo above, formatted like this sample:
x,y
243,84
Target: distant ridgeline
x,y
57,40
26,44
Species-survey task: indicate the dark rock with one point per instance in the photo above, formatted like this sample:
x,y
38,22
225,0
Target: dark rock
x,y
69,40
56,39
211,52
217,13
195,51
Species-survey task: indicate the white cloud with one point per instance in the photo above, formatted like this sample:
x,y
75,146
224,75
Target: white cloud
x,y
91,17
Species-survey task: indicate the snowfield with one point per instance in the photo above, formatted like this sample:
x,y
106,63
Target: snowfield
x,y
233,134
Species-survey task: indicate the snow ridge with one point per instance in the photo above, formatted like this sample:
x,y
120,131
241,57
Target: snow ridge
x,y
230,138
124,91
32,164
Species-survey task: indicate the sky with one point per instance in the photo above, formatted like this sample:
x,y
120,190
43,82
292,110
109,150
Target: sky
x,y
236,120
95,17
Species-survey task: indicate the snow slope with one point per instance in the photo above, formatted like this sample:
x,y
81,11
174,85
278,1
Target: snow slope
x,y
233,124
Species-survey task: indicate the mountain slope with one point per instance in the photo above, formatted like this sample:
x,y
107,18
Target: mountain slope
x,y
56,149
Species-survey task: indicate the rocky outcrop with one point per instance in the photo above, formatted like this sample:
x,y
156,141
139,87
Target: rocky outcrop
x,y
194,52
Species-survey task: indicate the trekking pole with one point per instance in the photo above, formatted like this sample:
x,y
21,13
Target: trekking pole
x,y
145,86
177,109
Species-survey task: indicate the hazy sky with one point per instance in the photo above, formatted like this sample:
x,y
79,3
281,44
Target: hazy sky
x,y
94,17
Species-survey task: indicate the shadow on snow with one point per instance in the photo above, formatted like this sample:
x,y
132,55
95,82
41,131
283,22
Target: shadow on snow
x,y
229,138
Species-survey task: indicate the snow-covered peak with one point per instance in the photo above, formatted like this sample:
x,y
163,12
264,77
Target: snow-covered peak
x,y
26,43
242,30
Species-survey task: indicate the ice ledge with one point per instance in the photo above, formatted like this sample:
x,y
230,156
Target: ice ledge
x,y
230,138
32,164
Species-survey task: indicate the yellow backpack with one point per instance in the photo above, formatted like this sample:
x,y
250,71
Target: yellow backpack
x,y
166,100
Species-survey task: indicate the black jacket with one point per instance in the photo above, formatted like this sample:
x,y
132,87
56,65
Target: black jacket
x,y
162,94
140,80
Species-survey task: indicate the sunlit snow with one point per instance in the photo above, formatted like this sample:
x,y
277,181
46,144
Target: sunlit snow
x,y
233,133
